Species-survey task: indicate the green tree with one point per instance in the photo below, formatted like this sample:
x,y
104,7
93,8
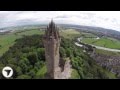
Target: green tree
x,y
19,70
23,77
32,57
62,52
32,73
68,52
41,54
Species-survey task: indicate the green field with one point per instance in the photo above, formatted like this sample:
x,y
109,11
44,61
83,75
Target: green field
x,y
8,40
103,41
69,33
108,53
87,34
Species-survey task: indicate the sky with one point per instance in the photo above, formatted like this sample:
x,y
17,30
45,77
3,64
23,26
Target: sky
x,y
105,19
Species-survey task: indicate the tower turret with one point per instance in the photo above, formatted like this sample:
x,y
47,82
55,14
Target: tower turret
x,y
51,41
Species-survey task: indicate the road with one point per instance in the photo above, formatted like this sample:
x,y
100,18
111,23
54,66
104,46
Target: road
x,y
98,47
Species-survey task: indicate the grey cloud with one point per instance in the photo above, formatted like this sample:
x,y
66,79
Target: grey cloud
x,y
64,16
102,19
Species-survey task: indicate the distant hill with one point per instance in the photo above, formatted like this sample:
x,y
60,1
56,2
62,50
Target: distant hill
x,y
95,30
23,27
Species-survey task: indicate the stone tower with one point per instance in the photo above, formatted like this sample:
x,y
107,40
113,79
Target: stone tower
x,y
51,41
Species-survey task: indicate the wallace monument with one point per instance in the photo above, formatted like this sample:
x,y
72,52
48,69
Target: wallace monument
x,y
57,68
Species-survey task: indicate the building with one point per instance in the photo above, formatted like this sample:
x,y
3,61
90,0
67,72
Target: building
x,y
51,40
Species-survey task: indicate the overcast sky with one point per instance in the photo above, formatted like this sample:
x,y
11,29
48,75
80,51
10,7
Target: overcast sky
x,y
105,19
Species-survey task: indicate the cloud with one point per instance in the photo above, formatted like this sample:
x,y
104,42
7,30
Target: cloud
x,y
105,19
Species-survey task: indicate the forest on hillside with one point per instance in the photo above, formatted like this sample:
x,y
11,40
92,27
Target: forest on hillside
x,y
27,58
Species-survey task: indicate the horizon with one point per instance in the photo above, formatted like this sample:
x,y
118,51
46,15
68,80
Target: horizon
x,y
102,19
57,24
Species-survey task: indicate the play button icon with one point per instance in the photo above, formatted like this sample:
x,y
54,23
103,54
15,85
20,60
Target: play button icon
x,y
7,72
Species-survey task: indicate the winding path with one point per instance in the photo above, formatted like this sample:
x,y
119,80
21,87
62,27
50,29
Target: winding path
x,y
98,47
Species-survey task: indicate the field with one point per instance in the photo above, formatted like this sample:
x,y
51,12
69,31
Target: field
x,y
8,40
87,34
108,53
69,33
103,41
